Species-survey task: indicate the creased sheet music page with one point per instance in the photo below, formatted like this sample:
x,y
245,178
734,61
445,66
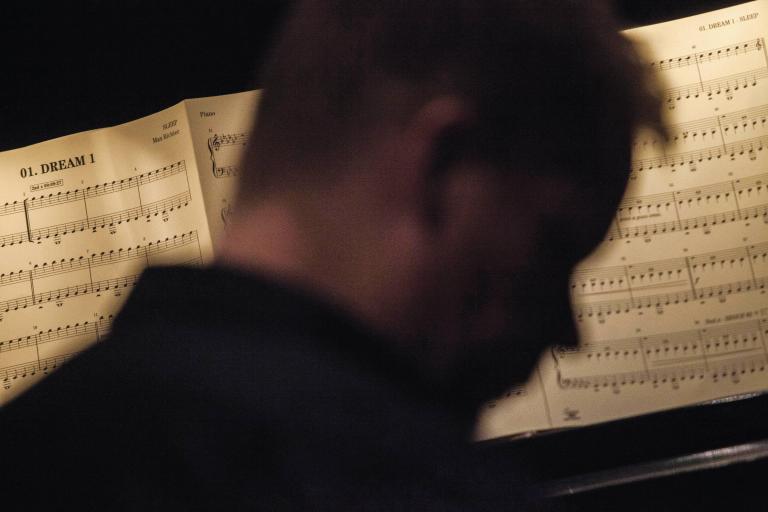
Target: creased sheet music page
x,y
219,128
80,217
672,307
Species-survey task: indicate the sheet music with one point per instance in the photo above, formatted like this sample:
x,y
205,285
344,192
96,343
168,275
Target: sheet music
x,y
672,308
219,127
80,217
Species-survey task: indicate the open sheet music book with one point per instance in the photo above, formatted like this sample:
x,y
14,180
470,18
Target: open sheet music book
x,y
673,307
82,215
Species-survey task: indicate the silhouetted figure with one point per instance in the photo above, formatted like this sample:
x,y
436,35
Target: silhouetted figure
x,y
421,179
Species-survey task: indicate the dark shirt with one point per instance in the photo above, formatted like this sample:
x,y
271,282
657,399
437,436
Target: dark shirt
x,y
224,390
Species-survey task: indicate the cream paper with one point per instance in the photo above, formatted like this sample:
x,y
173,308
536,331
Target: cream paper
x,y
672,307
82,215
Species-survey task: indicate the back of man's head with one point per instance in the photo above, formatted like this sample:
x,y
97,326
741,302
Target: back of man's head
x,y
453,158
549,82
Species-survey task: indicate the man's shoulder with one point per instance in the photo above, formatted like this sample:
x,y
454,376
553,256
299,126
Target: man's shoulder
x,y
194,397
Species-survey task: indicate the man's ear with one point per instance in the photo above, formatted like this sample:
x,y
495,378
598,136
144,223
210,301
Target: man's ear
x,y
435,133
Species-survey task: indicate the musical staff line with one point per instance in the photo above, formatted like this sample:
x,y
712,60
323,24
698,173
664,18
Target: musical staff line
x,y
720,351
661,300
100,221
734,368
683,277
68,292
11,208
738,148
232,139
714,87
31,368
669,204
111,219
686,340
229,171
752,118
87,263
140,252
112,187
97,329
93,222
702,221
714,54
216,144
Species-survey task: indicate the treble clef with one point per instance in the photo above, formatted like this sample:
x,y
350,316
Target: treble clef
x,y
214,143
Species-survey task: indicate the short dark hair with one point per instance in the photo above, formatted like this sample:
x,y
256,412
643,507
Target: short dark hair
x,y
552,82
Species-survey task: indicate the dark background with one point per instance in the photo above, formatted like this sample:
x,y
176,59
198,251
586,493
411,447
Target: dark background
x,y
90,66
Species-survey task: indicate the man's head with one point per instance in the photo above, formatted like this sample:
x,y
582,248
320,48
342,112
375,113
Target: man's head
x,y
446,163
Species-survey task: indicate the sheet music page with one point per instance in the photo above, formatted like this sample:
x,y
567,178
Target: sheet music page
x,y
80,217
672,308
219,128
